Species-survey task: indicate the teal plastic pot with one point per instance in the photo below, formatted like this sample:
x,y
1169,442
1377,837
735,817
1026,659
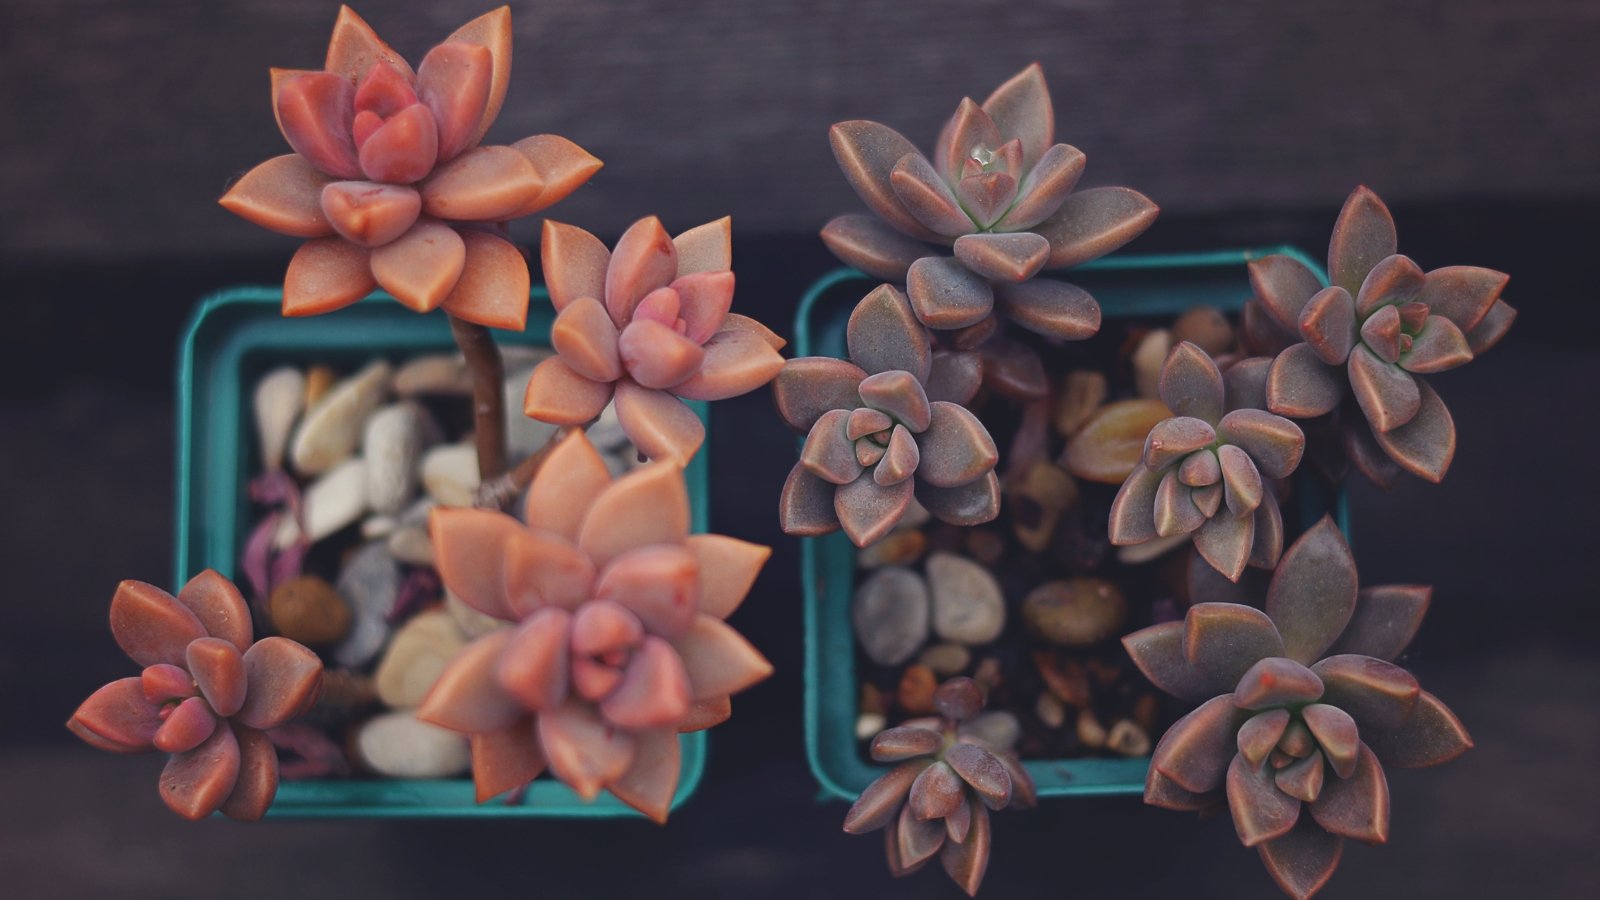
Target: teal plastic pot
x,y
1126,286
231,340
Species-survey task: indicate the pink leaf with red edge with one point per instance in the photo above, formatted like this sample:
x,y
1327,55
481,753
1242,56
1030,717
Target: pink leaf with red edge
x,y
718,660
492,30
866,153
187,725
1089,224
505,759
1021,108
219,606
469,547
468,696
736,362
559,395
564,487
654,692
649,784
586,338
659,424
355,48
422,266
583,749
1284,286
1158,652
195,784
257,782
574,263
656,355
618,523
544,569
1425,445
370,214
150,625
118,717
283,194
806,388
805,506
493,289
453,81
1196,750
284,679
562,165
1357,804
326,274
218,670
533,664
315,111
865,242
643,260
660,584
485,184
1223,640
868,511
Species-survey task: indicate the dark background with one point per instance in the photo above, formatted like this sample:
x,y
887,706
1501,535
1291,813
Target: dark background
x,y
1247,121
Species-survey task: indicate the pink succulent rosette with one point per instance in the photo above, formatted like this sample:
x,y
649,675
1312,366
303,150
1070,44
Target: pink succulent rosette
x,y
618,642
389,184
647,323
207,694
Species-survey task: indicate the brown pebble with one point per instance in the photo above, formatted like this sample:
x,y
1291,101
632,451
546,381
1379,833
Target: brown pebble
x,y
1090,731
1145,711
987,675
308,609
917,686
1205,327
1082,394
900,548
1147,360
985,546
1064,676
318,380
1128,738
1111,443
1075,612
1104,672
1037,501
872,700
1050,711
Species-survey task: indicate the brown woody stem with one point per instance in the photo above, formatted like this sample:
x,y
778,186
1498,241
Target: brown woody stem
x,y
488,397
495,493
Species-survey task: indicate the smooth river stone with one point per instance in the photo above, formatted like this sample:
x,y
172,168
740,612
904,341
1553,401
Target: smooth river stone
x,y
416,657
332,426
280,396
891,612
440,374
399,745
329,504
968,607
1075,612
450,473
393,444
371,583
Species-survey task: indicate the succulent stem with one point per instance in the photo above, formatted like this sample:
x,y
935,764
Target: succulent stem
x,y
495,493
488,398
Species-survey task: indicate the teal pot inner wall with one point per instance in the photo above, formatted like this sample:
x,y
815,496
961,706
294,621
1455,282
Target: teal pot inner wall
x,y
1126,286
231,340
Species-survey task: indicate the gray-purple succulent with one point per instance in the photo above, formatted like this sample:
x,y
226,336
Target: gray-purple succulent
x,y
937,799
1302,708
997,193
1385,323
884,428
1209,470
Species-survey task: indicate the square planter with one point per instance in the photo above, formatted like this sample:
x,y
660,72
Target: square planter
x,y
234,337
1126,286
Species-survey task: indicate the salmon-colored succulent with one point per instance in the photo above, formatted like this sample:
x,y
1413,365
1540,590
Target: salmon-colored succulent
x,y
646,323
618,642
207,694
389,184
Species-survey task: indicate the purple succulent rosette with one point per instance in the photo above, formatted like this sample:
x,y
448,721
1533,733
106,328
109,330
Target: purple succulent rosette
x,y
1302,709
1384,323
1209,470
884,428
937,799
997,193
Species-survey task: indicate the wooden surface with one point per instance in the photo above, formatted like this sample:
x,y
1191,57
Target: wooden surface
x,y
125,119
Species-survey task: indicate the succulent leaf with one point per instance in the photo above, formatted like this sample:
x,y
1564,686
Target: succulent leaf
x,y
728,570
810,386
1089,224
1379,695
197,782
1132,519
1386,618
973,503
1259,735
1158,651
1302,779
1223,640
1362,236
1175,438
1196,750
485,184
1276,681
1191,384
118,718
1014,257
1052,308
658,423
421,267
880,803
946,294
1463,294
283,194
1426,444
1492,327
1356,805
956,448
533,664
967,861
652,779
1336,734
218,670
1394,280
493,288
867,152
1045,187
904,742
583,749
1432,735
805,507
1260,811
1226,542
866,243
574,263
980,768
150,625
868,510
883,335
1438,347
1300,385
1175,510
1328,324
1284,286
453,81
936,793
925,195
1313,592
257,782
899,394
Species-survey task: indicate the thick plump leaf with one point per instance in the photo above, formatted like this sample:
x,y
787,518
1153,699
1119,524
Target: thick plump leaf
x,y
1389,395
737,362
586,338
1021,109
1438,347
1267,546
1191,383
1089,224
1003,257
219,606
1172,439
659,424
1300,385
656,355
571,477
967,861
1226,542
1362,237
900,458
884,335
1303,860
1052,308
936,793
505,759
492,30
614,525
719,661
919,839
1223,640
493,288
955,449
1274,443
1328,323
1259,735
810,386
1133,511
1245,383
1463,294
532,666
970,129
866,243
468,696
1196,750
1378,694
1241,481
899,394
654,692
1303,778
1276,681
946,294
1386,619
1159,790
1313,592
924,194
283,194
644,259
828,452
150,625
118,717
1394,280
469,550
355,48
1432,735
868,510
1260,811
650,782
659,583
805,507
284,680
583,749
728,569
981,769
1426,444
1044,188
904,742
186,726
218,669
1284,286
973,503
880,803
196,783
257,782
486,184
1175,510
1158,652
574,263
1336,734
422,266
1492,328
867,152
1356,805
453,81
315,111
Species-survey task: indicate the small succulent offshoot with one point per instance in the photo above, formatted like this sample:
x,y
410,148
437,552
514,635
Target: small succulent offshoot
x,y
1385,323
1209,470
884,428
616,641
996,203
1301,708
938,798
649,325
208,695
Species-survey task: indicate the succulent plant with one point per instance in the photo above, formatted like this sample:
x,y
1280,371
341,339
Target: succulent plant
x,y
998,193
885,428
937,799
389,185
648,324
207,695
618,642
1302,708
1385,323
1209,470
